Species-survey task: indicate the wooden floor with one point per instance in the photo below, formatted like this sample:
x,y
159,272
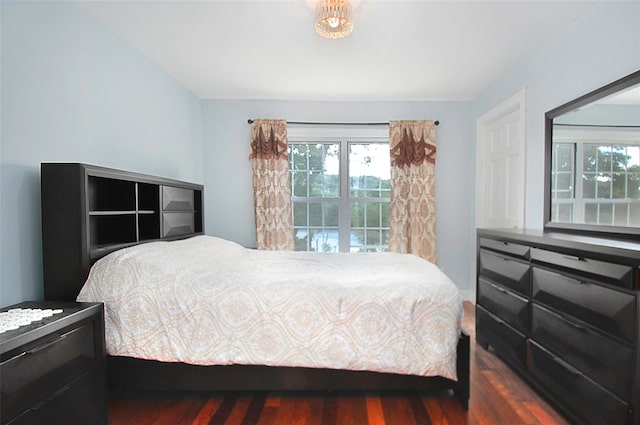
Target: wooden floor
x,y
498,396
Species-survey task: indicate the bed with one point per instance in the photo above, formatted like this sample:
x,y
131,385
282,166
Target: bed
x,y
242,302
371,312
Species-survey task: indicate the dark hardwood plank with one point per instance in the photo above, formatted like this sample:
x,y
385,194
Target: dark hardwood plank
x,y
498,396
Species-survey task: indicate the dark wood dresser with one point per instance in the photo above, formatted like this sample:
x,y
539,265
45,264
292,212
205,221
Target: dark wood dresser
x,y
52,371
563,311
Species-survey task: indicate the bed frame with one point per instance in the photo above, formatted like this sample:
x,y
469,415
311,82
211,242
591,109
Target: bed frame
x,y
84,209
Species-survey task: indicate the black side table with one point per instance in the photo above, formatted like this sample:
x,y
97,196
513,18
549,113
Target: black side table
x,y
52,371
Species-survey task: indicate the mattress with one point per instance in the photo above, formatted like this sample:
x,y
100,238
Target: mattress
x,y
210,301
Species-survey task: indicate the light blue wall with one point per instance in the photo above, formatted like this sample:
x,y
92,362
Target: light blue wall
x,y
229,203
623,115
74,91
598,48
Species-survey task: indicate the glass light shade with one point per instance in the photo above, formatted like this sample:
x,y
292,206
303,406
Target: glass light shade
x,y
333,18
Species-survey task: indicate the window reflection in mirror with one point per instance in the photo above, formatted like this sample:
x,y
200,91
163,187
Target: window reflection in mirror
x,y
595,163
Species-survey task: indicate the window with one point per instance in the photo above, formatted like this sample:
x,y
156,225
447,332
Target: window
x,y
340,190
596,180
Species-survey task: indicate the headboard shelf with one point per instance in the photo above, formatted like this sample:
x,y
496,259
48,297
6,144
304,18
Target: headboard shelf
x,y
90,211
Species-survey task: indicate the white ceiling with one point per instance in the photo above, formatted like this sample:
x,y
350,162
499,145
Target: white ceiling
x,y
399,50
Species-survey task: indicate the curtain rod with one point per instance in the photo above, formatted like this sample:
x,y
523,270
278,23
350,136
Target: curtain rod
x,y
250,121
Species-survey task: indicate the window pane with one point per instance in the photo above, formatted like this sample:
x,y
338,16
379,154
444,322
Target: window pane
x,y
373,214
633,185
299,183
564,157
369,168
385,238
316,183
604,158
316,157
590,158
331,211
323,214
356,185
634,214
300,214
619,186
620,214
565,213
604,186
589,185
302,242
356,240
590,213
373,237
618,158
315,214
357,214
605,215
385,211
324,240
298,157
633,158
314,169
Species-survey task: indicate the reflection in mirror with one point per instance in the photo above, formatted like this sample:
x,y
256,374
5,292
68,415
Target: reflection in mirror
x,y
594,169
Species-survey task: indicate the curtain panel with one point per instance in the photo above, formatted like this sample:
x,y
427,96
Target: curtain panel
x,y
271,185
413,209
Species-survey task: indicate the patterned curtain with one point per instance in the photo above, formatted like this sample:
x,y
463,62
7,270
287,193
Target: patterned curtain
x,y
413,209
271,185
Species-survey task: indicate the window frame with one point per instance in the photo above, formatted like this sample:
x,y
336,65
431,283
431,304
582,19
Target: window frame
x,y
578,137
343,136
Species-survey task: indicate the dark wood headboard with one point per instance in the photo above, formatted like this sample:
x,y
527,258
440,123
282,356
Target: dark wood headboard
x,y
90,211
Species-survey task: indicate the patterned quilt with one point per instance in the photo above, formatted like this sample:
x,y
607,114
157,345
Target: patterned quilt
x,y
207,301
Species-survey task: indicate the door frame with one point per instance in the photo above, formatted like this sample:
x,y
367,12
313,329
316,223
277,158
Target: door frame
x,y
517,102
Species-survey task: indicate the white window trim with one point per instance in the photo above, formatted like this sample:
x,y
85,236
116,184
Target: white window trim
x,y
579,136
342,135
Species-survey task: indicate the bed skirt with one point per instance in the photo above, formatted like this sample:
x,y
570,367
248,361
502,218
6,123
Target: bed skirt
x,y
130,374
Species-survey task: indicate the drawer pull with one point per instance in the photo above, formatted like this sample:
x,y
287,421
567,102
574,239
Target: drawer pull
x,y
499,289
44,346
565,320
572,370
574,258
50,398
575,325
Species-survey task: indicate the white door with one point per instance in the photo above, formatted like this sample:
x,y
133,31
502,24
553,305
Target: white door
x,y
500,167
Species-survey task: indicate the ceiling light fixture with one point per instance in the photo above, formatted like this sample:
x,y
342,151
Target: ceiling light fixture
x,y
333,18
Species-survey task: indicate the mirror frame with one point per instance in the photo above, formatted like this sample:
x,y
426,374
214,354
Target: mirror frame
x,y
617,232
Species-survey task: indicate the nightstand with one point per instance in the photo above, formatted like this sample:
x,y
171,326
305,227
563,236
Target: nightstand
x,y
52,371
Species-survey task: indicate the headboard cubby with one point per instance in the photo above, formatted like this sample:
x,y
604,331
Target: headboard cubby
x,y
90,211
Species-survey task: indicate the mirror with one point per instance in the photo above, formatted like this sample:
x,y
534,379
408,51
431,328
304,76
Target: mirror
x,y
592,162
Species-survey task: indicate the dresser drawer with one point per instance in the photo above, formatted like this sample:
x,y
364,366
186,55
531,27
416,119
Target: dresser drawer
x,y
36,373
615,274
580,395
604,360
605,308
508,306
177,199
74,403
507,342
177,223
506,271
510,248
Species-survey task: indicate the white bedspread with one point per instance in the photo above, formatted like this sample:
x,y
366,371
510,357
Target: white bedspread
x,y
209,301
